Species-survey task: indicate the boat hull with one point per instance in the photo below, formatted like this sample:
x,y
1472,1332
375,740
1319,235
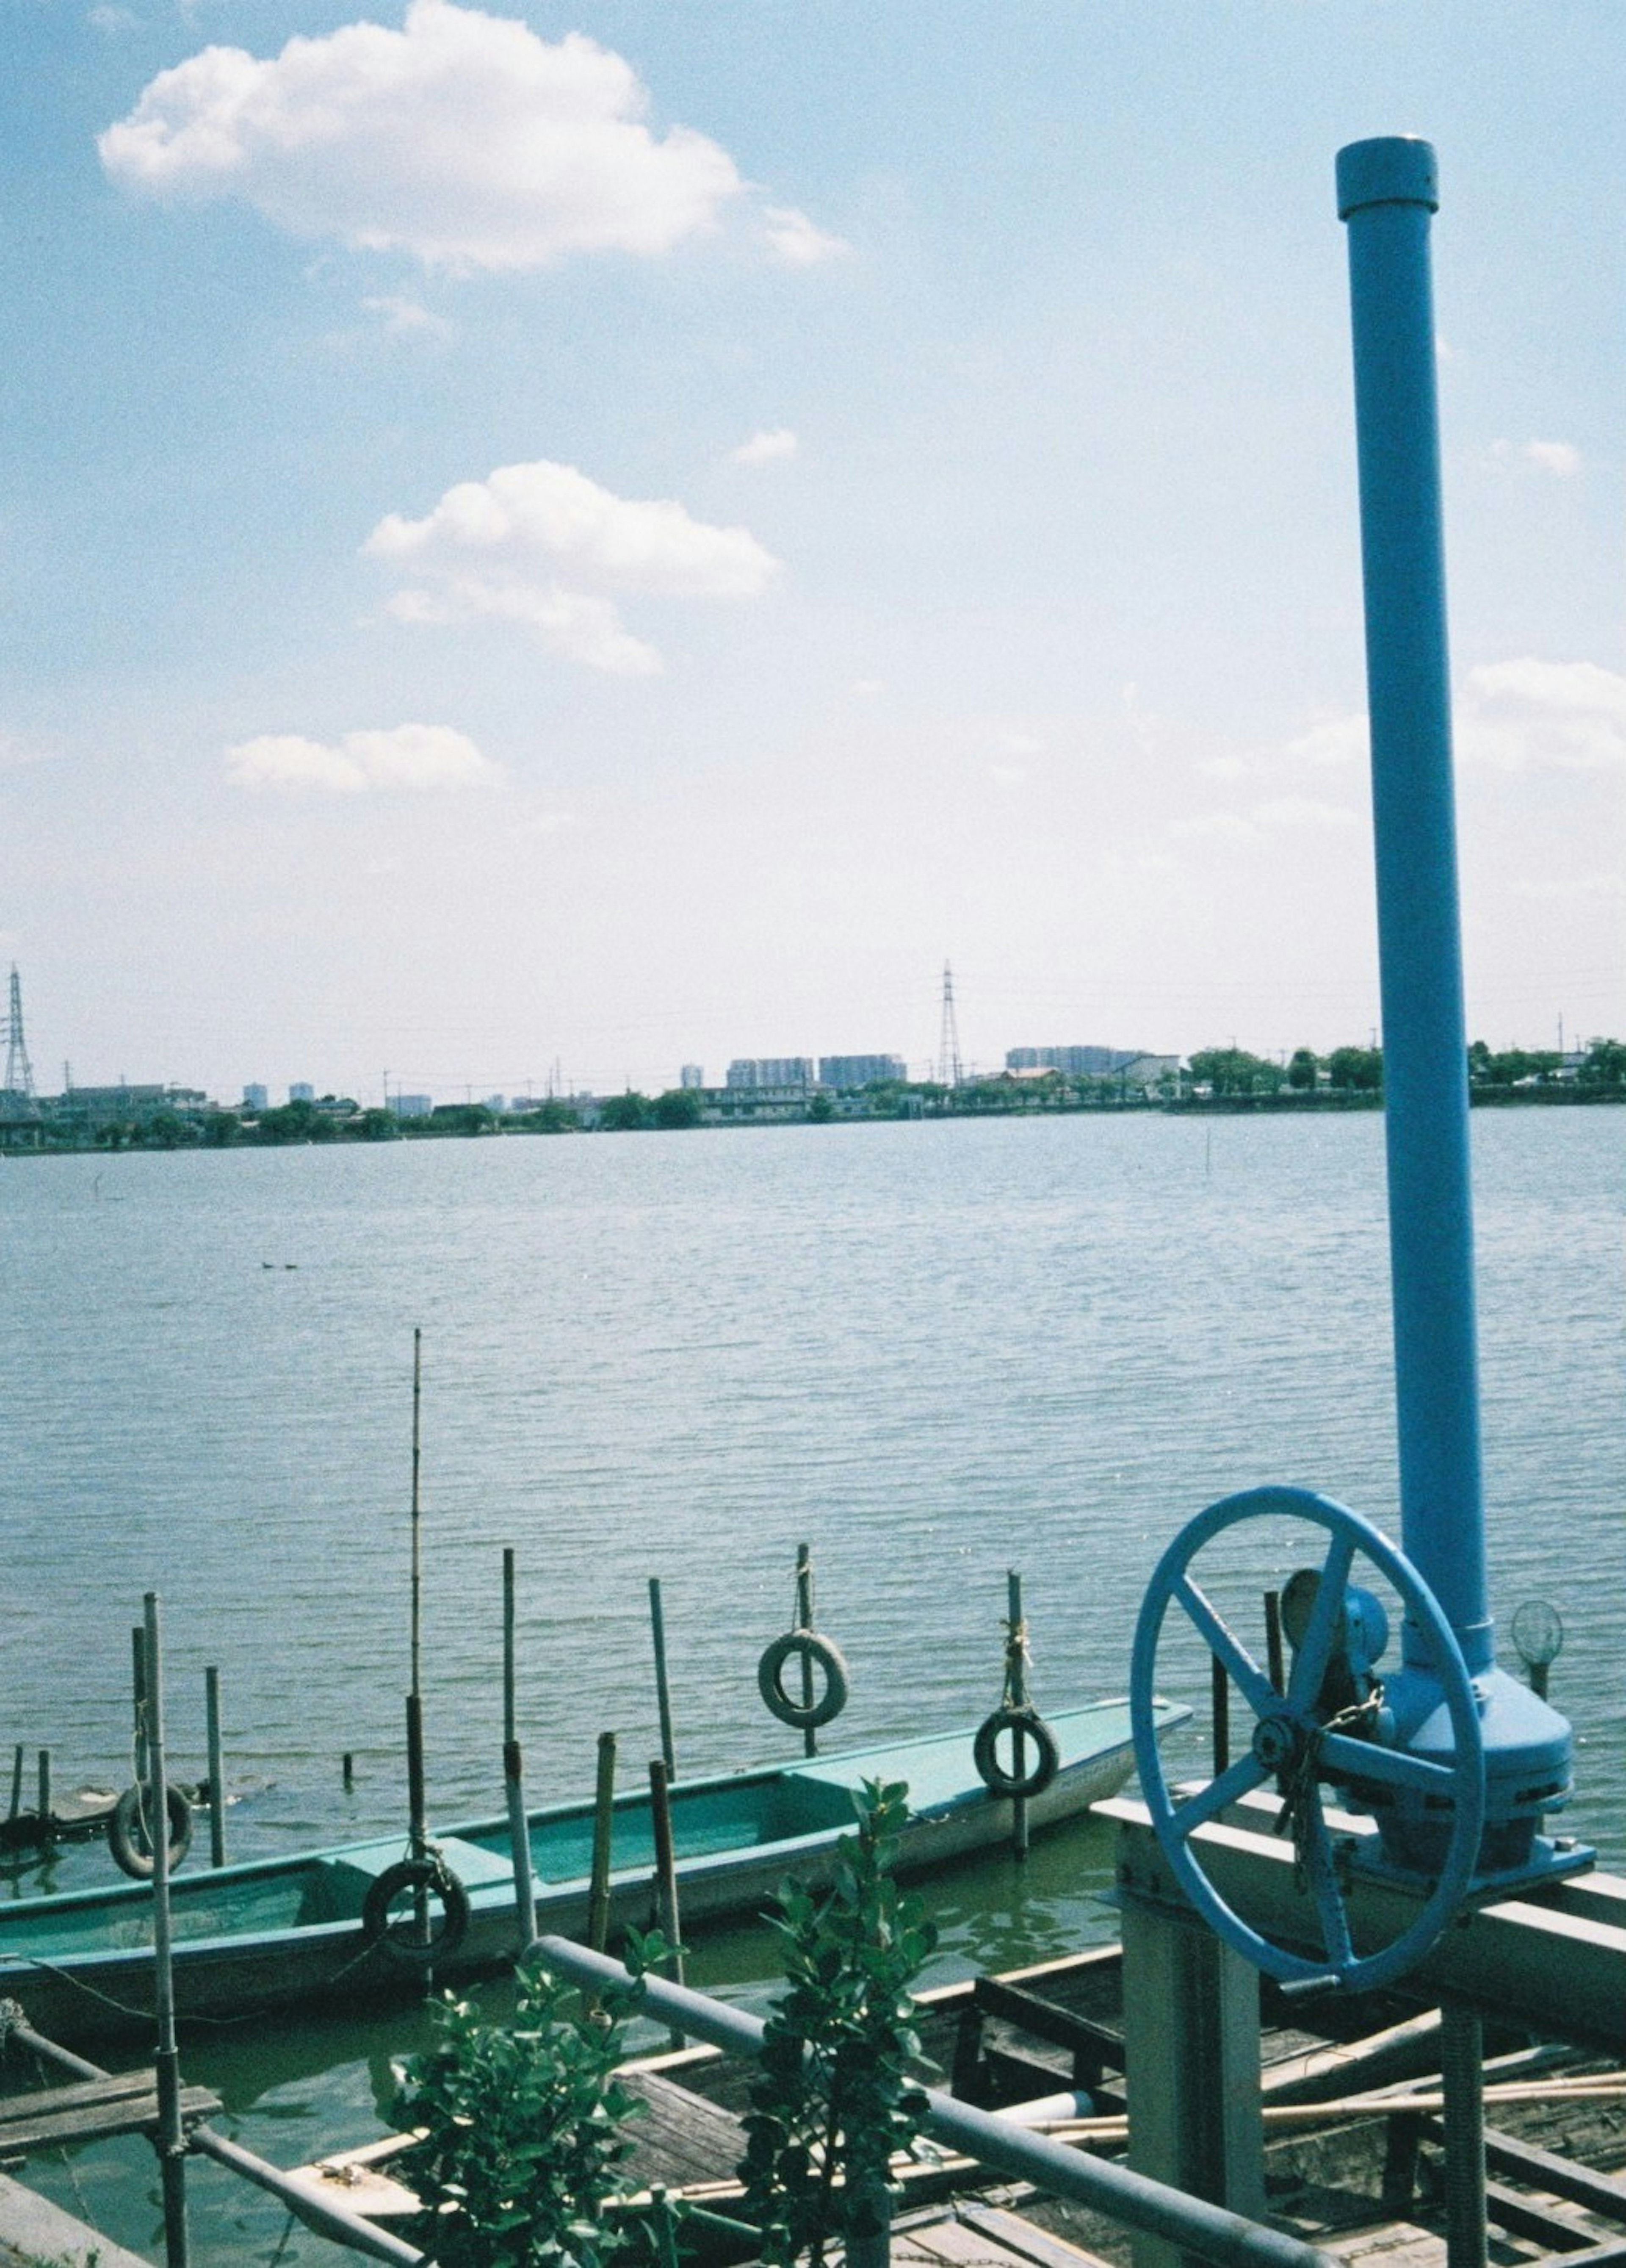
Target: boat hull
x,y
273,1933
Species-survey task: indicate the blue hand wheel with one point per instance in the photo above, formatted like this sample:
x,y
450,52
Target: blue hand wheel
x,y
1292,1742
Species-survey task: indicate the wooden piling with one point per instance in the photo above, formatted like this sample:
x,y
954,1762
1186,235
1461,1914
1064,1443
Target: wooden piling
x,y
599,1888
217,1769
663,1693
805,1621
513,1767
348,1770
48,1825
1274,1667
667,1873
17,1780
172,2140
1221,1688
1016,1697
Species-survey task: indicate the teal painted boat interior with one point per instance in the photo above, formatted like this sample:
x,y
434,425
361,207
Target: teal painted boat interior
x,y
787,1811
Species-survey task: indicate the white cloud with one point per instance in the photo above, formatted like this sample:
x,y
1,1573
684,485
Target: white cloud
x,y
796,240
404,318
1007,775
767,447
1331,740
1543,715
484,543
1560,457
412,758
577,625
463,139
1224,768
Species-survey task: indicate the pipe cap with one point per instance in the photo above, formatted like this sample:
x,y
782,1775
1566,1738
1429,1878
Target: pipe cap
x,y
1395,169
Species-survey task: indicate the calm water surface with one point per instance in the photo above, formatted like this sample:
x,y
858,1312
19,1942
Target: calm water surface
x,y
932,1351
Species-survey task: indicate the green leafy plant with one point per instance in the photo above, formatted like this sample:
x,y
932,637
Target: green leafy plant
x,y
521,2131
834,2097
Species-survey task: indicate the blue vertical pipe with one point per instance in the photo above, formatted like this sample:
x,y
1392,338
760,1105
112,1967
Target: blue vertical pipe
x,y
1387,194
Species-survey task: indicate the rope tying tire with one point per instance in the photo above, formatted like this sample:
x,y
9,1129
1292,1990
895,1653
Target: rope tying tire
x,y
985,1752
128,1835
425,1878
819,1653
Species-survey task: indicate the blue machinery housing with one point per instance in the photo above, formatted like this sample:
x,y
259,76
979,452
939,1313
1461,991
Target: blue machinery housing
x,y
1455,1761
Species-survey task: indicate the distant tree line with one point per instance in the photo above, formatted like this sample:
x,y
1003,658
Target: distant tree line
x,y
1349,1077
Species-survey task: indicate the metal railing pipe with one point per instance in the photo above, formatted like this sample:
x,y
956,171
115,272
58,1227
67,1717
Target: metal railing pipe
x,y
329,2220
1130,2198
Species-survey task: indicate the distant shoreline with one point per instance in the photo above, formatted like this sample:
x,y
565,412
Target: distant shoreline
x,y
1283,1103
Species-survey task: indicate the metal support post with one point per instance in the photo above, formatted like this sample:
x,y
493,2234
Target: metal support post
x,y
1192,2056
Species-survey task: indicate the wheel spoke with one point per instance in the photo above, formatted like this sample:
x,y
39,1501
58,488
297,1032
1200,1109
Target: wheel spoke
x,y
1344,1758
1237,1780
1245,1672
1310,1663
1318,1857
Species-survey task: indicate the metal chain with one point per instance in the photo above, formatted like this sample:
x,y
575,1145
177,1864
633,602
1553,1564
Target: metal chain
x,y
1299,1784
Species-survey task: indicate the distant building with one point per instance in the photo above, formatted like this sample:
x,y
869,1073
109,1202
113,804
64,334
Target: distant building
x,y
497,1102
845,1071
1076,1063
301,1091
413,1106
257,1097
770,1071
1146,1070
748,1103
92,1106
692,1075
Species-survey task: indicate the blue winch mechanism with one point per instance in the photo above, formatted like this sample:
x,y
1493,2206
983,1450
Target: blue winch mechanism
x,y
1454,1770
1454,1762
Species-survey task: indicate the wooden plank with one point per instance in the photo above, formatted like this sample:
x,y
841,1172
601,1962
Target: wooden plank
x,y
1082,2036
84,2093
130,2114
1524,2216
682,2138
1024,2239
1603,2194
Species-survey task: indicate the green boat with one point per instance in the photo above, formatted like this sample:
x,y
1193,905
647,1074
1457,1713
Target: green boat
x,y
365,1923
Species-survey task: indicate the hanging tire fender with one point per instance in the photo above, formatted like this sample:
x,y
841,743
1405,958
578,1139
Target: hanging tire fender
x,y
428,1877
985,1753
126,1834
820,1653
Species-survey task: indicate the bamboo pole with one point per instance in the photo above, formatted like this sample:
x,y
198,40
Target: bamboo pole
x,y
418,1552
172,2140
216,1769
663,1691
599,1888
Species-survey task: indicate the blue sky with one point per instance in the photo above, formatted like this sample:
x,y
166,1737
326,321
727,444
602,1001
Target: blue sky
x,y
630,535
